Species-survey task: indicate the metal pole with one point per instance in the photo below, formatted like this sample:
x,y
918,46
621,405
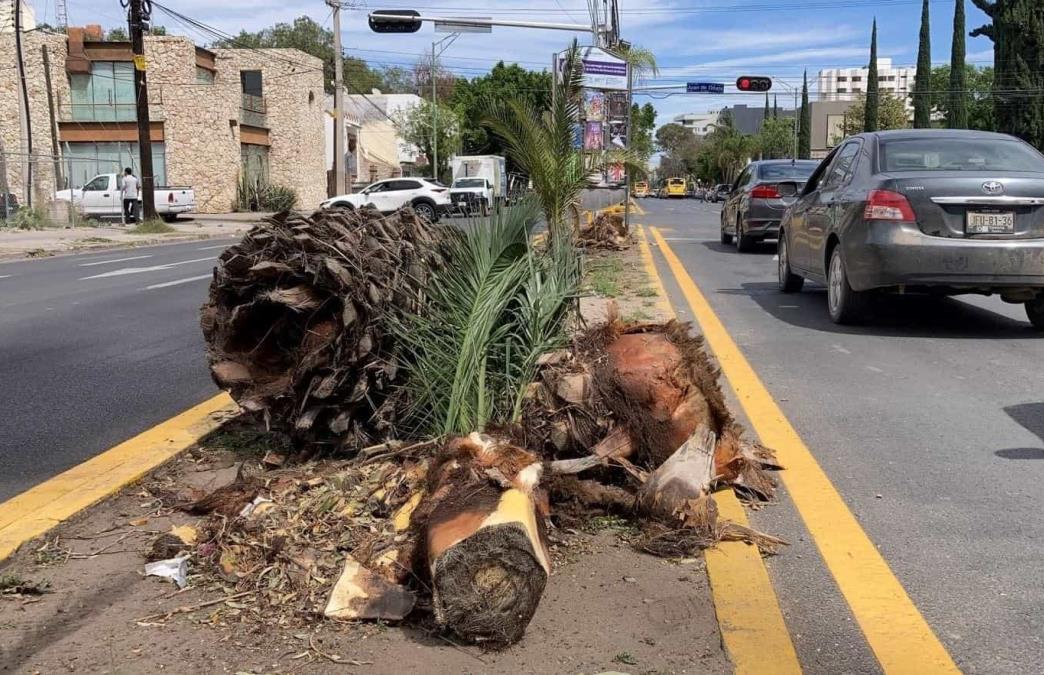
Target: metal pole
x,y
23,109
338,147
796,122
139,14
434,119
630,134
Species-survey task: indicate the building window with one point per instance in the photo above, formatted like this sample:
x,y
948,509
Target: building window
x,y
105,95
842,78
254,160
842,90
251,82
857,78
204,75
856,90
83,161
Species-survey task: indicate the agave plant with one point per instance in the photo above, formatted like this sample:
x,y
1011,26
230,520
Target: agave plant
x,y
491,311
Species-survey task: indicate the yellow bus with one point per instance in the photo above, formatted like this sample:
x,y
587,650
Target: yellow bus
x,y
641,189
675,187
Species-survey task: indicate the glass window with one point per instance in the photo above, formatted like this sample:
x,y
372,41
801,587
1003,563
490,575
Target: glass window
x,y
841,168
97,185
481,183
406,185
204,76
857,78
83,161
251,82
842,78
105,95
959,154
801,170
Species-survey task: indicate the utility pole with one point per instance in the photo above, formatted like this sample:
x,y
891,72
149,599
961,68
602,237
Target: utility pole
x,y
434,120
23,109
338,148
140,13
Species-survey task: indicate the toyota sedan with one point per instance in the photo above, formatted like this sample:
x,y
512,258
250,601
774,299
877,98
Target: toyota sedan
x,y
927,210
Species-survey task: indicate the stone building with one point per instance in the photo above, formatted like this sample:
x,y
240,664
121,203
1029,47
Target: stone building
x,y
217,115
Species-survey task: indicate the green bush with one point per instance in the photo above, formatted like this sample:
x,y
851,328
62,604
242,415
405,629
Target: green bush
x,y
26,218
277,198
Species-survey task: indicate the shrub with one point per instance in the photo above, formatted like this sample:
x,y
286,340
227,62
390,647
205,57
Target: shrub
x,y
277,198
27,218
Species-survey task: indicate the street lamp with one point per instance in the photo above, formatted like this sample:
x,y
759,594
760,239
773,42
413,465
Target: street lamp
x,y
435,44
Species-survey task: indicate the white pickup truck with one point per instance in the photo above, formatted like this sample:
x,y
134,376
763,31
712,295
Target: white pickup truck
x,y
100,197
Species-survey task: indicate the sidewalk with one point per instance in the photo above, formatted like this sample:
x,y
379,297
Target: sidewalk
x,y
32,243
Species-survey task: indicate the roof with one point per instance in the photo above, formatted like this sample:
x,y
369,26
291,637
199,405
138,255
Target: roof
x,y
937,133
764,162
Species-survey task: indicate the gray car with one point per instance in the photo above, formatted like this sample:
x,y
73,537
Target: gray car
x,y
926,210
758,199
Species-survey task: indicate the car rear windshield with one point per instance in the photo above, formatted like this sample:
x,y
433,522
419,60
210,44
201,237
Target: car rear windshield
x,y
785,171
470,182
959,154
676,181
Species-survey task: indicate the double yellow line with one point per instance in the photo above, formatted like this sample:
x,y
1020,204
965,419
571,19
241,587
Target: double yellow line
x,y
898,634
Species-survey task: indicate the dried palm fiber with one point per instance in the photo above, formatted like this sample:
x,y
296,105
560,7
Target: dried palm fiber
x,y
296,322
607,230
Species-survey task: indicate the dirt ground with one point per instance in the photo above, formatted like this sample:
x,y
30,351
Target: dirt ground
x,y
606,608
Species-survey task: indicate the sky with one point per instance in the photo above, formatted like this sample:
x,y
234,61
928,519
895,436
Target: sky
x,y
704,40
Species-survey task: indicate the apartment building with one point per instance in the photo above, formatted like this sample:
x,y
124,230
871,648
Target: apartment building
x,y
701,124
216,115
848,84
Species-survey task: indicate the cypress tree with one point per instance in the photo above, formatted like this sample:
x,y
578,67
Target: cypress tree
x,y
957,108
805,124
1017,31
870,109
775,107
765,116
923,82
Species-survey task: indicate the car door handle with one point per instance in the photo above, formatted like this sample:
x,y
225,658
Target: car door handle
x,y
105,195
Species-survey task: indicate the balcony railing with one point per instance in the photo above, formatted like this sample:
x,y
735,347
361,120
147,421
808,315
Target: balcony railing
x,y
252,111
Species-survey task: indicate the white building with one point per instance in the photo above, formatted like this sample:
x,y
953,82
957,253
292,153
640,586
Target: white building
x,y
700,123
848,84
7,16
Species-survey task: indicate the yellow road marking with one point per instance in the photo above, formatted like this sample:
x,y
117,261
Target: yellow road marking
x,y
901,639
749,617
40,508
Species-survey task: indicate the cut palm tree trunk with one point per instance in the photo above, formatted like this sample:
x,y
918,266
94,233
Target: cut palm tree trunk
x,y
296,319
484,539
678,491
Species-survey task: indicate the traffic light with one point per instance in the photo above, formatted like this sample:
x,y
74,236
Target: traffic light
x,y
753,83
390,21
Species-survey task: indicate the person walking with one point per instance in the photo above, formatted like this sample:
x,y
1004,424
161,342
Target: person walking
x,y
129,192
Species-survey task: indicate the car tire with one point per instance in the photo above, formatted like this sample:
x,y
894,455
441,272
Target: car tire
x,y
342,206
1035,312
846,306
788,281
744,242
169,217
425,211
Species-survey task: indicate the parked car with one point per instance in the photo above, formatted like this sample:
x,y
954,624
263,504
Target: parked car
x,y
718,193
759,197
429,198
926,210
100,198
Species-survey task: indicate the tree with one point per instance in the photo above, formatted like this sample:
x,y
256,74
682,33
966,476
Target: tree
x,y
891,114
445,80
415,127
117,34
765,115
805,123
472,99
1017,31
922,97
643,121
871,107
311,38
775,107
397,80
776,138
977,98
957,104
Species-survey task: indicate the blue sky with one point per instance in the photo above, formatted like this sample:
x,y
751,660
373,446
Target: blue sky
x,y
714,40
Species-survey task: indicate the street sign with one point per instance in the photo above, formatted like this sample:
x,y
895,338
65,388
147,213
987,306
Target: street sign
x,y
753,83
704,88
451,26
395,21
601,70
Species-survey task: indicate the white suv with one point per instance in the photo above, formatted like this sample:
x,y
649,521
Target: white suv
x,y
427,197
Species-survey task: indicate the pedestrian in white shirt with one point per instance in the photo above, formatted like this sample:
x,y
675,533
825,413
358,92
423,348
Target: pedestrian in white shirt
x,y
129,192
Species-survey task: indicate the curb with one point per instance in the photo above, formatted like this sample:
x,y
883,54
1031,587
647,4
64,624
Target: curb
x,y
45,506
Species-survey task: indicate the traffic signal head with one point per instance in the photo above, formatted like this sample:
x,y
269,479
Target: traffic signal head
x,y
391,21
753,83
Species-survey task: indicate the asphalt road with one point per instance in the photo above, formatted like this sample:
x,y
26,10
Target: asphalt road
x,y
94,349
929,421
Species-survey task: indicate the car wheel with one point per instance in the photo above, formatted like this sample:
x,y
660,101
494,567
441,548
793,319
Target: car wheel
x,y
425,211
844,304
788,281
1035,311
744,242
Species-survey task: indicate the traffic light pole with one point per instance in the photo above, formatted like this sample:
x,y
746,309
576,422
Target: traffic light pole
x,y
140,11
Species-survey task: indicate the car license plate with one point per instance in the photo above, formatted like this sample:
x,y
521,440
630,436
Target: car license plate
x,y
990,222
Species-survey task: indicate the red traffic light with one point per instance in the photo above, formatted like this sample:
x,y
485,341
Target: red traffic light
x,y
752,83
394,21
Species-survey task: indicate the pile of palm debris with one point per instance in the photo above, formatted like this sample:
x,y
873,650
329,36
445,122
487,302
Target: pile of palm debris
x,y
629,420
608,230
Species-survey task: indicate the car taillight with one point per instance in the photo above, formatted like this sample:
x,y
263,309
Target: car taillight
x,y
888,205
765,192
